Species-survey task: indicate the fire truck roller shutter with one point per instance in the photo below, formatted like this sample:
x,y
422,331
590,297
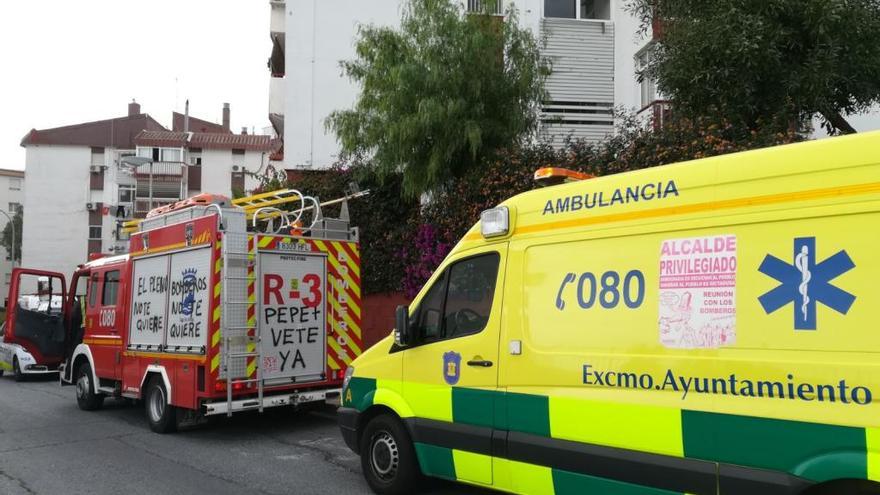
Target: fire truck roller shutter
x,y
188,301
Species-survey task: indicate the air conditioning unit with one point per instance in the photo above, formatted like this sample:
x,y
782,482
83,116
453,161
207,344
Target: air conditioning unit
x,y
96,169
92,206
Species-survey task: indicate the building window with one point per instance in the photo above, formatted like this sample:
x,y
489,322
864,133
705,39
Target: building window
x,y
15,184
478,5
160,154
648,89
14,207
97,157
95,232
126,194
8,278
171,155
595,9
578,9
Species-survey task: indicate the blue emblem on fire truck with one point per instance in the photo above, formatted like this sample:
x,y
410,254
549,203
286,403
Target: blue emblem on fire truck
x,y
188,294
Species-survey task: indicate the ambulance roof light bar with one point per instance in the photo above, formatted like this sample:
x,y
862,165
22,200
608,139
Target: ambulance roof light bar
x,y
551,176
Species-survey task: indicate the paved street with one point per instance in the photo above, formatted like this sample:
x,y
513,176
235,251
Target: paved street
x,y
48,446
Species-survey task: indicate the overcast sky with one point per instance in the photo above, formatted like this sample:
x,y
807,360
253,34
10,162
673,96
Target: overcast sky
x,y
72,61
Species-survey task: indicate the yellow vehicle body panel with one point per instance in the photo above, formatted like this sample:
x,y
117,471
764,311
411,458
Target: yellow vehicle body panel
x,y
717,316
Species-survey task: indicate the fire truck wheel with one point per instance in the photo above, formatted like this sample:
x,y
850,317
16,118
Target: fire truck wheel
x,y
161,415
388,458
86,397
16,370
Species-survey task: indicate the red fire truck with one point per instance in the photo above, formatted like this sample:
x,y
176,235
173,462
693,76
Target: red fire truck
x,y
203,317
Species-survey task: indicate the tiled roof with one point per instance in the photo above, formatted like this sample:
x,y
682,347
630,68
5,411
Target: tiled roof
x,y
232,141
117,133
168,139
207,140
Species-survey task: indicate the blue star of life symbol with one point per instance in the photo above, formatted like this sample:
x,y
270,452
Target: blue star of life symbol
x,y
806,283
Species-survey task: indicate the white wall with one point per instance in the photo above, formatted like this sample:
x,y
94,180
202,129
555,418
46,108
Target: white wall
x,y
276,16
627,42
276,95
319,35
217,170
55,226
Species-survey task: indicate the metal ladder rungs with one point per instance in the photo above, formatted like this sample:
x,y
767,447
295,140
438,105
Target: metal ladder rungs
x,y
233,355
239,255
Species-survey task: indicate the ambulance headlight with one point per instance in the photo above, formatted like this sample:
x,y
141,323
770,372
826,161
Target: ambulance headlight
x,y
348,372
495,222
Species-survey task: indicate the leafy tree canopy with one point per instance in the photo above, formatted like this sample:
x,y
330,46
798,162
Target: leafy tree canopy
x,y
767,62
440,93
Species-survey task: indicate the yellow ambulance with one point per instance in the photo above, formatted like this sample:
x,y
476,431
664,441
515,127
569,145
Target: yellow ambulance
x,y
708,327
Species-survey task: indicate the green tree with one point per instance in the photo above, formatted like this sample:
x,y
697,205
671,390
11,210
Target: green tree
x,y
6,238
441,93
767,62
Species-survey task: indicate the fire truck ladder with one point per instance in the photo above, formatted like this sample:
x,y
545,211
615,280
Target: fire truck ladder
x,y
250,204
241,339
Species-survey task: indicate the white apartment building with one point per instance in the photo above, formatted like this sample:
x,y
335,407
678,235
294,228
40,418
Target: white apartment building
x,y
81,184
593,46
11,199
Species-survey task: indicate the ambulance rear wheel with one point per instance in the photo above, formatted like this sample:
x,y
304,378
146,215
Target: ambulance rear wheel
x,y
388,458
86,398
161,416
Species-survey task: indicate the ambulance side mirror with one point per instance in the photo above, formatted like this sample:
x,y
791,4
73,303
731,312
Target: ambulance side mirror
x,y
402,336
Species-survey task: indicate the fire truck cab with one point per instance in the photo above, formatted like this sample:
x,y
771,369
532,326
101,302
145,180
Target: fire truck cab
x,y
203,317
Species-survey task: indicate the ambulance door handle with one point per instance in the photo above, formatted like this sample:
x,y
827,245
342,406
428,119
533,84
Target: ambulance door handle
x,y
480,362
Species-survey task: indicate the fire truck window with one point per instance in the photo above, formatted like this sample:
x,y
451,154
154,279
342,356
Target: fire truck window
x,y
93,290
111,287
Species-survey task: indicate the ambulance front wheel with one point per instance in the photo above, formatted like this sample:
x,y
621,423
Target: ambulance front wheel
x,y
86,398
161,416
388,458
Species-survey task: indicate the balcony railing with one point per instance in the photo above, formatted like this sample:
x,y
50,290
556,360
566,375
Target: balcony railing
x,y
164,182
478,5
